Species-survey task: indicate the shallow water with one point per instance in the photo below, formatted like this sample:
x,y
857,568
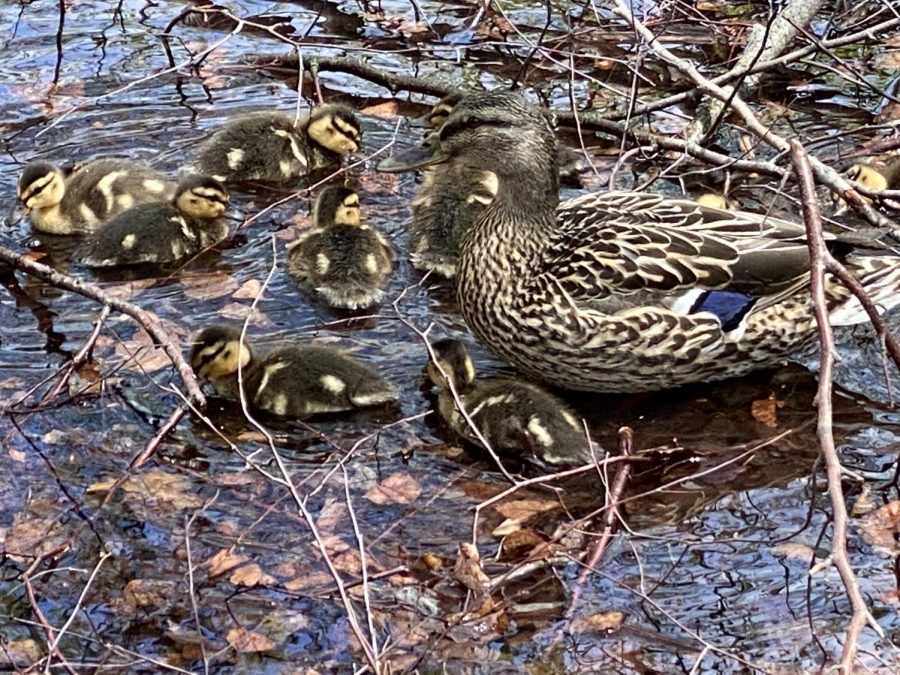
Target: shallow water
x,y
701,553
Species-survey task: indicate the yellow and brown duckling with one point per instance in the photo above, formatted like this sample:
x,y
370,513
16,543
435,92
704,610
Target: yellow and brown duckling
x,y
269,147
164,231
89,195
877,176
340,259
717,200
290,381
515,417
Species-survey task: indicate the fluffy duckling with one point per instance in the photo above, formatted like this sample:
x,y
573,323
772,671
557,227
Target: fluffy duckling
x,y
291,381
89,195
449,201
269,147
515,417
342,260
162,232
876,177
719,201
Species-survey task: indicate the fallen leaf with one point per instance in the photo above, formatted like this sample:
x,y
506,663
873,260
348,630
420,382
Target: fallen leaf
x,y
208,286
386,110
521,544
881,528
398,488
149,593
249,290
251,575
280,624
154,487
223,561
309,580
765,410
37,529
468,572
521,510
239,312
331,516
432,562
245,641
598,622
16,455
141,353
794,551
506,528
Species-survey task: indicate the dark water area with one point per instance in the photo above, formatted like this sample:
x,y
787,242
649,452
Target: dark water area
x,y
701,573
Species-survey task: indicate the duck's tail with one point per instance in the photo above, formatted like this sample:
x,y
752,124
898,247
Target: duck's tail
x,y
880,277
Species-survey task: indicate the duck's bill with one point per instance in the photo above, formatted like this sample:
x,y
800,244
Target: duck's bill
x,y
423,122
410,160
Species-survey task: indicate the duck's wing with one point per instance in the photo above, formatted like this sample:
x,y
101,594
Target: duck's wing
x,y
622,243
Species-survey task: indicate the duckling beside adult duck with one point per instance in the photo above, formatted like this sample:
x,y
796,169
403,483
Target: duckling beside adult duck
x,y
89,195
513,416
164,231
341,259
290,381
269,147
623,291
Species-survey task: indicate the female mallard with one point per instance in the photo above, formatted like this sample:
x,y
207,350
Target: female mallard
x,y
269,147
341,259
291,381
88,196
513,416
624,291
162,232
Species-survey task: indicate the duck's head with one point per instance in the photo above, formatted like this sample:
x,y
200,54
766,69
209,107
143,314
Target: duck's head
x,y
41,186
498,132
439,112
201,197
337,205
455,362
335,128
218,352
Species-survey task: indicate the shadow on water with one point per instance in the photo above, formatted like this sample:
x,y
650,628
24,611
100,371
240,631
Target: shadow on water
x,y
702,558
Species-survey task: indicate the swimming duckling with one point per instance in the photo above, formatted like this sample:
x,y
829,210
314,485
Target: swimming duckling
x,y
164,231
449,201
340,258
89,195
269,147
514,416
291,381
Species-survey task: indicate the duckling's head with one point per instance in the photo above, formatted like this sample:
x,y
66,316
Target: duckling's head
x,y
498,132
201,197
335,128
868,176
455,362
337,205
218,352
442,109
41,186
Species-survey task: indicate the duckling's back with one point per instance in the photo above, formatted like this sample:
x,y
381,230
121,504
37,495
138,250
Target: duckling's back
x,y
295,381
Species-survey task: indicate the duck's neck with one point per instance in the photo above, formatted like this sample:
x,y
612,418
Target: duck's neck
x,y
51,220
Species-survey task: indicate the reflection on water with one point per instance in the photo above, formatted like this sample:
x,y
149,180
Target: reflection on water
x,y
702,548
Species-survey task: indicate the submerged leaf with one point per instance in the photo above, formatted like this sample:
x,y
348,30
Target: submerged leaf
x,y
398,488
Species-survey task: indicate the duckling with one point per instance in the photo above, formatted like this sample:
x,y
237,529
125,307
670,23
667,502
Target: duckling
x,y
291,381
269,147
450,199
162,232
515,417
340,258
89,195
719,201
877,177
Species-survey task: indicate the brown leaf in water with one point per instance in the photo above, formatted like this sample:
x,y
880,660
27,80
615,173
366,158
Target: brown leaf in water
x,y
881,528
251,575
237,311
398,488
386,110
467,570
154,593
765,410
309,580
249,290
604,621
223,561
794,551
521,510
36,529
208,286
244,641
521,544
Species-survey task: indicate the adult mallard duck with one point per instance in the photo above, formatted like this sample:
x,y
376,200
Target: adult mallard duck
x,y
89,195
622,291
513,416
164,231
267,146
340,258
291,381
